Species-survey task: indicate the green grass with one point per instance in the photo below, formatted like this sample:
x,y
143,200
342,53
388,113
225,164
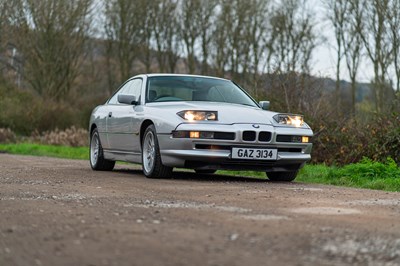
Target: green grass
x,y
365,174
46,150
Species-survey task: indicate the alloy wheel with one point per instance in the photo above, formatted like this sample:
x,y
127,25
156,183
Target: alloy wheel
x,y
149,152
94,149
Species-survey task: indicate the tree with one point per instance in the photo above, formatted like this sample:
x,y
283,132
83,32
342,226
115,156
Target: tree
x,y
206,15
123,27
337,11
236,30
148,8
393,15
51,37
220,48
3,18
236,35
166,34
257,34
352,44
292,41
293,38
190,30
4,9
376,40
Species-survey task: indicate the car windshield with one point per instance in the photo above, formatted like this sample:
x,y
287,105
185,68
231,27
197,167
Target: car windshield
x,y
185,88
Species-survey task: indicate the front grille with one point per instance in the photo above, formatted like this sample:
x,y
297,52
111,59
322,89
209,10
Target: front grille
x,y
249,135
264,136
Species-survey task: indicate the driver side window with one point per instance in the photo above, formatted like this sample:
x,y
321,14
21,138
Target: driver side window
x,y
132,87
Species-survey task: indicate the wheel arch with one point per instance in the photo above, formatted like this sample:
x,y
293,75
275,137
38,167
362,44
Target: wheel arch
x,y
92,127
143,127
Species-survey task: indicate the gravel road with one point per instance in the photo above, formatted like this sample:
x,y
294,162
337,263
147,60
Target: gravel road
x,y
60,212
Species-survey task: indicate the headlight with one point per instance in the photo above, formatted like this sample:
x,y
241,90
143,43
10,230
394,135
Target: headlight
x,y
199,115
289,119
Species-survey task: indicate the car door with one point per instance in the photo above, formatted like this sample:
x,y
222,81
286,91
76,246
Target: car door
x,y
122,120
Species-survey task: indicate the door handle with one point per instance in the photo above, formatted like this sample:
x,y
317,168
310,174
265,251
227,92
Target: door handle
x,y
110,114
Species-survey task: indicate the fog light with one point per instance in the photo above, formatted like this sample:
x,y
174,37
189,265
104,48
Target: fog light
x,y
305,139
194,134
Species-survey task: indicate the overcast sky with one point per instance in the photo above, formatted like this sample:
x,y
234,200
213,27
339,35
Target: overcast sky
x,y
324,57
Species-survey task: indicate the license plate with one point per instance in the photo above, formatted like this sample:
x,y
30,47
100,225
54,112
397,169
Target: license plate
x,y
254,154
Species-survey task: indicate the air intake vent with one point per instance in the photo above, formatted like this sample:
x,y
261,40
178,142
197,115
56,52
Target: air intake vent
x,y
224,135
284,138
249,135
288,138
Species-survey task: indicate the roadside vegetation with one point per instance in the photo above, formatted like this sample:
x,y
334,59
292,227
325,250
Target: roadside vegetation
x,y
364,174
66,152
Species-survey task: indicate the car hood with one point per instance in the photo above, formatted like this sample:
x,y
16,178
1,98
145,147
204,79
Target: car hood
x,y
227,113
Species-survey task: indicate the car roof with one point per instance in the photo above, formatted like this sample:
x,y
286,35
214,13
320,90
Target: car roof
x,y
182,75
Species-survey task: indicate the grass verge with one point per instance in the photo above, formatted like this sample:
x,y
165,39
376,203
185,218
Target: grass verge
x,y
46,150
365,174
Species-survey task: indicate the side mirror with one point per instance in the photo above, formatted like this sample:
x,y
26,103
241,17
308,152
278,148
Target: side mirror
x,y
127,99
264,105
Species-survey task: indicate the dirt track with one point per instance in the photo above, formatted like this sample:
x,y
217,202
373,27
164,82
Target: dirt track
x,y
60,212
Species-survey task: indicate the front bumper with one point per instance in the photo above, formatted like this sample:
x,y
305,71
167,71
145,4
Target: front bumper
x,y
216,153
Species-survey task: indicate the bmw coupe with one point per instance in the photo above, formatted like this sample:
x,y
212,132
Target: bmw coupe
x,y
203,123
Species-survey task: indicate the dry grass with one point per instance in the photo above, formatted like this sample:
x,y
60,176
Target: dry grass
x,y
73,137
7,135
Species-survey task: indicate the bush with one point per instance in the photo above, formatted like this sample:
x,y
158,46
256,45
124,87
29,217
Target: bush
x,y
24,112
348,141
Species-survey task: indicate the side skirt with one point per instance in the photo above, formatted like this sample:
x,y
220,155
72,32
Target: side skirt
x,y
132,157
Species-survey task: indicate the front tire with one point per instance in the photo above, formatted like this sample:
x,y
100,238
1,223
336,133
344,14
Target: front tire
x,y
282,176
97,160
151,158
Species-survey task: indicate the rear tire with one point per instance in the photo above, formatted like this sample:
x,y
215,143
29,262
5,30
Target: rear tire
x,y
282,176
205,172
96,154
151,158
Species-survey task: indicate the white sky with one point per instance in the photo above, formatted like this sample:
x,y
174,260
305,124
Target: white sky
x,y
324,57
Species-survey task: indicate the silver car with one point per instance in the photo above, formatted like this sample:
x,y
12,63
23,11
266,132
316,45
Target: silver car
x,y
203,123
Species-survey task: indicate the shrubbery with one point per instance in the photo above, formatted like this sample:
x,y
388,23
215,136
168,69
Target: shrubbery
x,y
350,141
24,112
